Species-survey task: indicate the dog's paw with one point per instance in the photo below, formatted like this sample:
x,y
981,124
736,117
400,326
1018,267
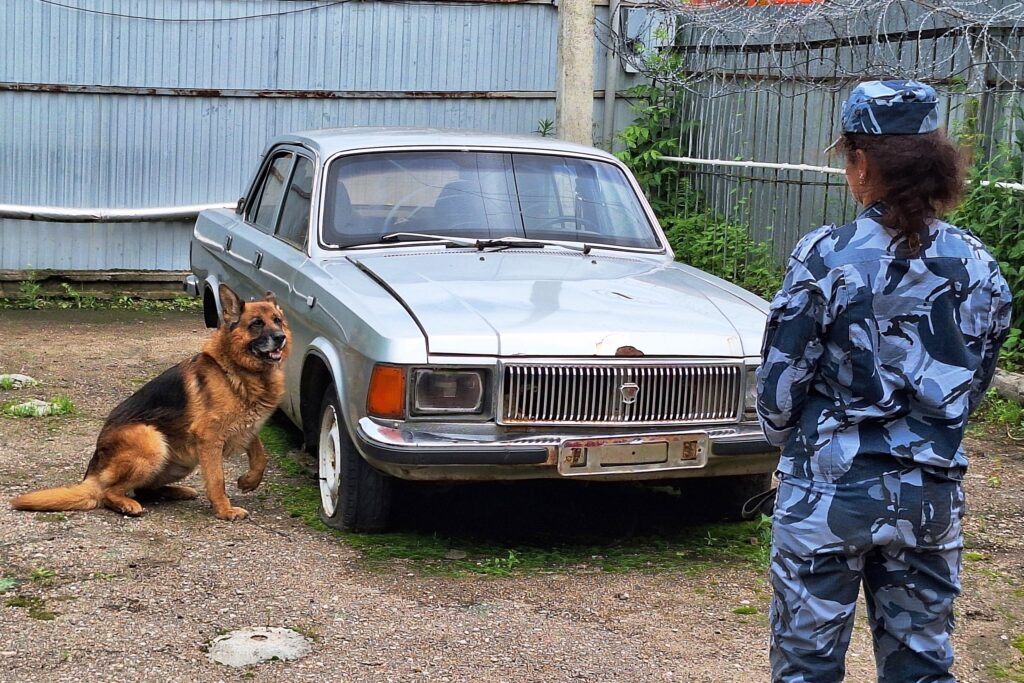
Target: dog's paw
x,y
232,513
250,481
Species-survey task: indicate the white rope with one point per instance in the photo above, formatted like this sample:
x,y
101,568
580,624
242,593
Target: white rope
x,y
1016,187
755,164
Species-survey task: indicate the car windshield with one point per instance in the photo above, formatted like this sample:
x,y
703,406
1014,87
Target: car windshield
x,y
481,195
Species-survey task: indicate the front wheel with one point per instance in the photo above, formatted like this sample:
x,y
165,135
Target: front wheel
x,y
353,495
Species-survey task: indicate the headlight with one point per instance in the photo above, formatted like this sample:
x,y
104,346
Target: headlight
x,y
448,392
750,396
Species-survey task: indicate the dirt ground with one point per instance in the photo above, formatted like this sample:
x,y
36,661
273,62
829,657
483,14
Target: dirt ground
x,y
139,599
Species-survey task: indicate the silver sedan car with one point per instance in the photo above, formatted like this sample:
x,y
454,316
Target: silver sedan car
x,y
469,306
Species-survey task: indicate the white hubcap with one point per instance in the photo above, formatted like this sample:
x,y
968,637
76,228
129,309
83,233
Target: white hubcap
x,y
330,460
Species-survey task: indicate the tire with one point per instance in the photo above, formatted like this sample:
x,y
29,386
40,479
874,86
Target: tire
x,y
724,497
353,495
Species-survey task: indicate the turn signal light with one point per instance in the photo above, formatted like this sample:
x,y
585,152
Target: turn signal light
x,y
386,397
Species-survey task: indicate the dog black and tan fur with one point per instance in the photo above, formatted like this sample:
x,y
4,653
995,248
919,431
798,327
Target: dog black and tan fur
x,y
194,414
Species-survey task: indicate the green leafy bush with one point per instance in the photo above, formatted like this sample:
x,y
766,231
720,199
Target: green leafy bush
x,y
707,241
996,216
699,236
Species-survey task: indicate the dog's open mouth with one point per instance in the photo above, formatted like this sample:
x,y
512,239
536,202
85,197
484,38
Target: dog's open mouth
x,y
271,356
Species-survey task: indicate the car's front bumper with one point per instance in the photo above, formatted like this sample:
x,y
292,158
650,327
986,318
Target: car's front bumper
x,y
408,453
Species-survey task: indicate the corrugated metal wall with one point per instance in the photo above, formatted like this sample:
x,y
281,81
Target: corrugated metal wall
x,y
739,116
382,63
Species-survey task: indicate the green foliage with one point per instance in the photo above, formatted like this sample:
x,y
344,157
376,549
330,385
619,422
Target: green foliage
x,y
995,215
58,405
31,297
745,609
656,131
998,414
36,607
7,583
699,236
545,128
75,299
724,248
28,292
61,405
42,575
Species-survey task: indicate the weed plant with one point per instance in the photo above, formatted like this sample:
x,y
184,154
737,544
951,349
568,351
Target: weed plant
x,y
31,297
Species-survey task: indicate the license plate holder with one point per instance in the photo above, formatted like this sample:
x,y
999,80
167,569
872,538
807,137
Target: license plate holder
x,y
632,454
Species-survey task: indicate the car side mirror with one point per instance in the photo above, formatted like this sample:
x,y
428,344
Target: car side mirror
x,y
240,205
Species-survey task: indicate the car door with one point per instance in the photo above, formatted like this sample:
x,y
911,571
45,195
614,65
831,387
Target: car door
x,y
284,263
250,243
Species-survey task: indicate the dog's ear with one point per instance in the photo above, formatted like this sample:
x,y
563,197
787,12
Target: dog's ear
x,y
270,298
231,305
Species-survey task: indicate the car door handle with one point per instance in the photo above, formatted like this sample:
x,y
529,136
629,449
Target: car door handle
x,y
227,243
257,260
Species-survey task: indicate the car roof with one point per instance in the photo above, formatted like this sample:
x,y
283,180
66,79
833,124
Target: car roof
x,y
330,141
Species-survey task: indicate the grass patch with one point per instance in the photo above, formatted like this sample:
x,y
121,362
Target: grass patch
x,y
745,609
974,556
62,405
56,406
42,575
7,583
35,605
999,414
1018,643
521,530
7,383
1013,673
31,297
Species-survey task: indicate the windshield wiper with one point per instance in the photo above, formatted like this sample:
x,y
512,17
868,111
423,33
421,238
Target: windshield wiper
x,y
422,237
481,244
506,242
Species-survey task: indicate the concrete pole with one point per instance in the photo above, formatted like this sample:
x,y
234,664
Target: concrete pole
x,y
611,75
574,83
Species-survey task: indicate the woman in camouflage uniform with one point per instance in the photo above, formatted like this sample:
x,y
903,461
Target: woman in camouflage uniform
x,y
879,345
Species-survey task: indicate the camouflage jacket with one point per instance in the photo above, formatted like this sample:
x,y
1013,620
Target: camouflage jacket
x,y
871,354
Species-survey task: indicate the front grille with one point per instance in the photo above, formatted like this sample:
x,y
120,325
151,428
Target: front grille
x,y
600,394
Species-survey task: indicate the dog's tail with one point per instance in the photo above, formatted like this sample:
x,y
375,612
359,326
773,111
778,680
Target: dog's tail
x,y
83,496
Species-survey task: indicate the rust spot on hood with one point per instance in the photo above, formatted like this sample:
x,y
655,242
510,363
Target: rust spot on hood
x,y
629,352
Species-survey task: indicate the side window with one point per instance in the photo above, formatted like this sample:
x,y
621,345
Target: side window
x,y
264,212
294,224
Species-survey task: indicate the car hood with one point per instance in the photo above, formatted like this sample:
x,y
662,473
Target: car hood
x,y
529,302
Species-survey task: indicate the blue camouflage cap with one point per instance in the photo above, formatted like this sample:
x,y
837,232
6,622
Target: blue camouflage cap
x,y
891,108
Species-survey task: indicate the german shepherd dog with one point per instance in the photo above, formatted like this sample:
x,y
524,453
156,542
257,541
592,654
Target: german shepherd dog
x,y
207,407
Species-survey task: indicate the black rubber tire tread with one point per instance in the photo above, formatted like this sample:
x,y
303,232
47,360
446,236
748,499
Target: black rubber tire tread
x,y
364,500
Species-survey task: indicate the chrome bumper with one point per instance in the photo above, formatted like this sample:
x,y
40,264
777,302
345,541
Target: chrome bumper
x,y
408,453
191,285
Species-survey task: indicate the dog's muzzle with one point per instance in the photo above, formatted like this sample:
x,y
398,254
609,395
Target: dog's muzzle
x,y
270,348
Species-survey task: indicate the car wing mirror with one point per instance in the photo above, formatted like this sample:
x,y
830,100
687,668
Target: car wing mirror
x,y
240,205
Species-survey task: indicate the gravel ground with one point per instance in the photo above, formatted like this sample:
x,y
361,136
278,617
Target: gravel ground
x,y
138,599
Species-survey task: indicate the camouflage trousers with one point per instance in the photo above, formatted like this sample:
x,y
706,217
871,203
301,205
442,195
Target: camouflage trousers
x,y
898,533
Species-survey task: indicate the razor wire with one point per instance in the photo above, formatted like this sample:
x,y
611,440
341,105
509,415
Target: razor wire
x,y
722,46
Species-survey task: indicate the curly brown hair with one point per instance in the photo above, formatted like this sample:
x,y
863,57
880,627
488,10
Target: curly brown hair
x,y
921,177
